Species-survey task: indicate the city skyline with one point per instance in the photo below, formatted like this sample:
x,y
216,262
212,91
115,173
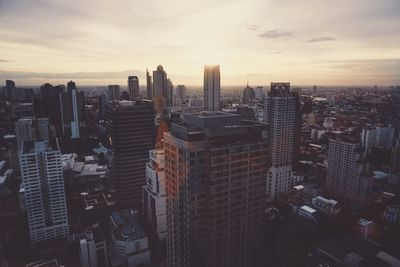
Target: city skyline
x,y
58,41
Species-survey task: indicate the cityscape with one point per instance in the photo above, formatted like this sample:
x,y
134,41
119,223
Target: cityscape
x,y
187,161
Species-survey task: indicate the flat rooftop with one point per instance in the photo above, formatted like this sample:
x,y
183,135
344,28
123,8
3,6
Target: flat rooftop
x,y
127,225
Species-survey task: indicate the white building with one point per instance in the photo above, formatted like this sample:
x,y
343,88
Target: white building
x,y
129,244
365,228
307,212
281,113
42,175
154,199
92,248
381,137
212,88
324,205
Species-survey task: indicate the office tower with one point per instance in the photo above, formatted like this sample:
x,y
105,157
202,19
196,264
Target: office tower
x,y
394,176
154,199
71,86
92,248
315,90
113,93
259,91
180,94
9,89
215,171
47,105
130,126
102,106
249,95
129,243
72,104
212,88
282,114
161,86
381,137
43,128
348,175
170,93
24,131
133,86
149,85
42,176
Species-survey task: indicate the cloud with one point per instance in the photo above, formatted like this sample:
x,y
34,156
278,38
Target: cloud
x,y
253,27
320,39
4,60
276,34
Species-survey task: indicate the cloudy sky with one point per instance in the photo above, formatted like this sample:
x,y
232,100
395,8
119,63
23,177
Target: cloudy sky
x,y
98,42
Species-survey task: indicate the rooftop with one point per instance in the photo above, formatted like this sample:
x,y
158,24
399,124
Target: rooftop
x,y
126,225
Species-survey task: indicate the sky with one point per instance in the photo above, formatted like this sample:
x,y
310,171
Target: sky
x,y
100,42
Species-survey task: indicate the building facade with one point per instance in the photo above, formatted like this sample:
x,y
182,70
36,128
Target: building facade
x,y
72,104
113,93
130,127
133,86
215,169
42,176
212,88
394,176
282,114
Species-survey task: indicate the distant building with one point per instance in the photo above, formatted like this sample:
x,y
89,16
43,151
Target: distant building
x,y
161,89
324,205
42,176
328,123
282,114
113,93
129,243
180,94
394,176
9,89
133,86
71,86
24,131
249,95
72,104
215,175
92,248
348,175
380,137
130,129
315,90
307,213
365,228
212,88
259,91
149,85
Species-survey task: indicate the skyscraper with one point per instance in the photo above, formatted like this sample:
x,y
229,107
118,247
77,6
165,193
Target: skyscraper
x,y
180,94
161,88
133,86
113,93
9,89
282,114
249,95
212,88
170,93
348,175
394,176
42,176
215,169
130,126
24,131
72,104
149,85
71,86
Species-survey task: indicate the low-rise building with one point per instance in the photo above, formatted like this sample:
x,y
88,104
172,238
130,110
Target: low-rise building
x,y
92,248
329,206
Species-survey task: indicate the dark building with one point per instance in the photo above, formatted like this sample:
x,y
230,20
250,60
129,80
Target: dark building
x,y
216,174
130,127
72,104
9,89
133,86
47,105
149,85
249,95
71,86
394,176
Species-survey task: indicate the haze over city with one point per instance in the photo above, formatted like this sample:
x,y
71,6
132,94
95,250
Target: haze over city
x,y
101,42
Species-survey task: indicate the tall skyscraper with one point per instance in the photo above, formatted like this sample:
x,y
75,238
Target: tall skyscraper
x,y
133,86
212,88
149,85
42,176
180,94
130,127
9,89
394,176
24,131
282,114
249,95
170,93
348,175
215,169
315,90
113,93
72,104
161,88
71,86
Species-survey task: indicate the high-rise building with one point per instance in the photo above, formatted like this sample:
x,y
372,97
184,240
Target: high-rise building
x,y
170,93
130,127
249,95
348,175
133,86
71,86
315,90
24,131
259,91
180,94
282,114
113,93
72,104
215,170
161,88
149,85
42,176
381,137
394,176
212,88
47,105
9,89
